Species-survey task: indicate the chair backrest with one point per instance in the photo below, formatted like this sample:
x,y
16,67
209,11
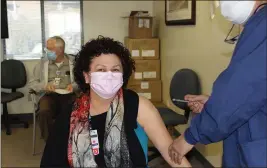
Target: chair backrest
x,y
13,74
184,81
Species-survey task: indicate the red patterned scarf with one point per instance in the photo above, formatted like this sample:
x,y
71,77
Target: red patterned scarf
x,y
116,152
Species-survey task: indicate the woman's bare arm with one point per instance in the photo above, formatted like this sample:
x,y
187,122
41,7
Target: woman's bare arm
x,y
150,119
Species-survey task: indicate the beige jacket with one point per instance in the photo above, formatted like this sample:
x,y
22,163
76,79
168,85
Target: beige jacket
x,y
40,76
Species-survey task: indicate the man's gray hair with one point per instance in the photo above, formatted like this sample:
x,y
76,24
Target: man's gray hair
x,y
59,41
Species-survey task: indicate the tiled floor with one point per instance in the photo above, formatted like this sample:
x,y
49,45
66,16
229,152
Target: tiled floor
x,y
17,150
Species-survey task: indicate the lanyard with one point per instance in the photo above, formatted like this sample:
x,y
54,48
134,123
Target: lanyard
x,y
93,133
93,136
58,72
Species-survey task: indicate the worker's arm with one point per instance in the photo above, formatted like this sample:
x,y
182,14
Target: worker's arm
x,y
238,94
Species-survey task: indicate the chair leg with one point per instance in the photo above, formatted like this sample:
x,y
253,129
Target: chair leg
x,y
6,119
34,134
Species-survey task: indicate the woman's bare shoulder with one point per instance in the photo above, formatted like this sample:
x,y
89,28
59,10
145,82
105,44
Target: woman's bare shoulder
x,y
144,103
146,110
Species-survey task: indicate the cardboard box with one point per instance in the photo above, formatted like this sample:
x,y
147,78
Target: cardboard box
x,y
146,70
140,27
149,89
143,48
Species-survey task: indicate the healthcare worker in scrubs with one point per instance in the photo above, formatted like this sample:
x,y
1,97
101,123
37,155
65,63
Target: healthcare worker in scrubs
x,y
235,113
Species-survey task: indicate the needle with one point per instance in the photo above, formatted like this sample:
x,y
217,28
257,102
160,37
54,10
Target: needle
x,y
179,100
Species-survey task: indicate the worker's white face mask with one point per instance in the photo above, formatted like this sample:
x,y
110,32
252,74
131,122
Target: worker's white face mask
x,y
237,12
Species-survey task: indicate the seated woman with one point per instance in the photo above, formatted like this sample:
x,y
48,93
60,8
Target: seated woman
x,y
107,126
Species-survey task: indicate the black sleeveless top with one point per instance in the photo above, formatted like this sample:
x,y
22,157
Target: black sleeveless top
x,y
55,152
98,123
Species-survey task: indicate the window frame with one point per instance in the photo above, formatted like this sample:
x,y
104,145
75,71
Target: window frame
x,y
43,31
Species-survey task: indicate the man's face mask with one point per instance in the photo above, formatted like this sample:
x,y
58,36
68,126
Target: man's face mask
x,y
51,55
237,12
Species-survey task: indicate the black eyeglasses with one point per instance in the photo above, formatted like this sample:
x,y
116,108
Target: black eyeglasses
x,y
233,39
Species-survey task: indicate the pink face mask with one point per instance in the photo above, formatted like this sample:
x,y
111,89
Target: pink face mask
x,y
106,84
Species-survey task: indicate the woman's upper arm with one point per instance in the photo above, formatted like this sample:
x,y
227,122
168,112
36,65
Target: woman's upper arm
x,y
150,119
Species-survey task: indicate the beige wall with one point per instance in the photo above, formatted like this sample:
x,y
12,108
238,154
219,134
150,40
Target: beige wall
x,y
104,17
198,47
100,18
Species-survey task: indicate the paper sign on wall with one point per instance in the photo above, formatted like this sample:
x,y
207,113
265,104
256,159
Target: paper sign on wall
x,y
148,53
140,94
140,23
144,85
138,75
146,95
146,23
135,53
152,74
216,3
213,5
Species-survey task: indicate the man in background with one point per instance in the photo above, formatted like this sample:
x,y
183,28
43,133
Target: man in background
x,y
53,81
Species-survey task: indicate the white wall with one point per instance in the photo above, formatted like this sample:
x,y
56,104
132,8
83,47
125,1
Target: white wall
x,y
100,18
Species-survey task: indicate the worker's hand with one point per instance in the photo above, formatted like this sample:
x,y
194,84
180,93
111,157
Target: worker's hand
x,y
69,88
196,102
50,87
178,149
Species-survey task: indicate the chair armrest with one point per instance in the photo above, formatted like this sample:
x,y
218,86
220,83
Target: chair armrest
x,y
32,91
32,97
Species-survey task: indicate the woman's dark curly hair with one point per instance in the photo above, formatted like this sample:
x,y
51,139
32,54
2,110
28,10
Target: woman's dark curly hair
x,y
96,47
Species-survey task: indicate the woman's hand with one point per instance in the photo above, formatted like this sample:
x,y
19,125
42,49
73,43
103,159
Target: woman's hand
x,y
196,102
179,149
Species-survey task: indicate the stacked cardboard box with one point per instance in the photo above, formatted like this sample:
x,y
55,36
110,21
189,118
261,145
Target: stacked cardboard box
x,y
146,80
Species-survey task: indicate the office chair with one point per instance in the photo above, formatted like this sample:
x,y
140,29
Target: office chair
x,y
13,76
184,81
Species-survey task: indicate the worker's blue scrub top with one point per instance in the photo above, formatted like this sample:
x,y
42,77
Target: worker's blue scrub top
x,y
236,110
